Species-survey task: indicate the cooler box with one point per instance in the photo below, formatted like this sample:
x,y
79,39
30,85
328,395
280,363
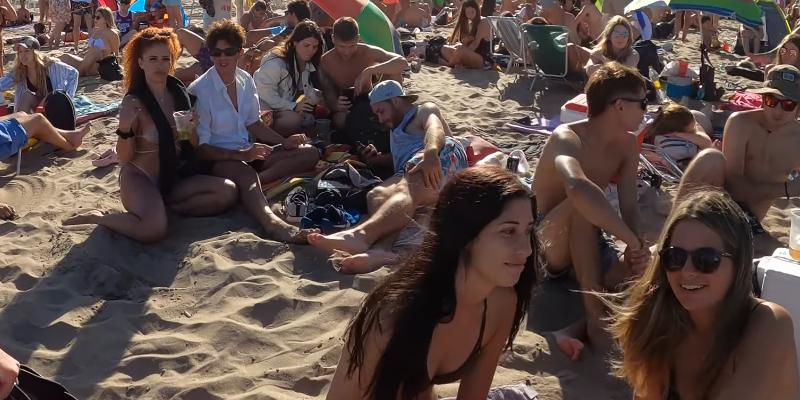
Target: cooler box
x,y
779,278
575,109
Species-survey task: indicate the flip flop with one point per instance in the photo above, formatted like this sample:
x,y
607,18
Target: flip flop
x,y
106,159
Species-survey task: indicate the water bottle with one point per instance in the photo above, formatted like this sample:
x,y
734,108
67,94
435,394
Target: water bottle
x,y
656,79
701,93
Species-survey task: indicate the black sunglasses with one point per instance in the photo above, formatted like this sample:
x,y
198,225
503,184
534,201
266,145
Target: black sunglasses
x,y
228,52
642,102
704,259
786,104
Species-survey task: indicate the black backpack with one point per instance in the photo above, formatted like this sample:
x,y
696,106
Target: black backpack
x,y
59,110
710,90
362,127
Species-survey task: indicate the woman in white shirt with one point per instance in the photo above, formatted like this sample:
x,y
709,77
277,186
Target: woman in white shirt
x,y
286,77
36,75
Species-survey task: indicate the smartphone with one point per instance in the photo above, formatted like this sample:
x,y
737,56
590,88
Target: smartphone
x,y
350,93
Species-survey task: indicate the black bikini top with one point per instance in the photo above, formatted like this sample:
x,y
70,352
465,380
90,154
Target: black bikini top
x,y
471,360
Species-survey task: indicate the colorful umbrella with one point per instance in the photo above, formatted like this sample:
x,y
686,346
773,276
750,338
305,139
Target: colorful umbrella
x,y
374,26
744,11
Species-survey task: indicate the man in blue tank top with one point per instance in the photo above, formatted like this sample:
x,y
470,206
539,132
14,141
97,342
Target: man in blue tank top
x,y
425,155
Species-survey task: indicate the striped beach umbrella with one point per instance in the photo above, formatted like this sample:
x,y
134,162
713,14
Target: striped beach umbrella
x,y
744,11
374,26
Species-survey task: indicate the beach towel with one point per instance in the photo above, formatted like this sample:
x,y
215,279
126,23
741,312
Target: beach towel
x,y
86,111
742,101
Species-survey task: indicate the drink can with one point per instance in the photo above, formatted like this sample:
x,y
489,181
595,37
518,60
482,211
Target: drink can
x,y
512,164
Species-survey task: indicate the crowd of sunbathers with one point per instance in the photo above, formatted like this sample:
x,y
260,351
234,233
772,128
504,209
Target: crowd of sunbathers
x,y
201,139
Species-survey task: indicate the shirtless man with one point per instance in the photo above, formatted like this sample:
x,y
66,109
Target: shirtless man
x,y
296,11
760,149
424,155
256,17
555,14
416,15
353,64
577,163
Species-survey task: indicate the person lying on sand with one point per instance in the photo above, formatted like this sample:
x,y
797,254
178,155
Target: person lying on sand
x,y
691,328
412,16
103,42
296,11
681,133
578,161
16,129
256,17
448,314
152,178
425,156
228,115
351,64
760,149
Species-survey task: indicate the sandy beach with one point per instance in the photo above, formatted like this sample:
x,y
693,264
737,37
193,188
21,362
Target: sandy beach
x,y
216,311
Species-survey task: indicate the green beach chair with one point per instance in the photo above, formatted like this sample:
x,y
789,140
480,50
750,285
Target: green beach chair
x,y
548,47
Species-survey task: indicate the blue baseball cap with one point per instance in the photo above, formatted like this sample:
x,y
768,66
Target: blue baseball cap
x,y
388,90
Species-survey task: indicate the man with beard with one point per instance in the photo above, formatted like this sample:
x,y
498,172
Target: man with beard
x,y
425,155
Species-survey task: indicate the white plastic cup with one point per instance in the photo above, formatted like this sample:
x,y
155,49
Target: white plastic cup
x,y
183,124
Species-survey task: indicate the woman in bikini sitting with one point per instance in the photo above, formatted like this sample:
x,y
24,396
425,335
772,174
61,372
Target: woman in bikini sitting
x,y
448,314
103,42
690,327
470,44
156,171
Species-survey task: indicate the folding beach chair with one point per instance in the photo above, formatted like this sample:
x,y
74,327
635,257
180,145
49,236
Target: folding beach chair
x,y
658,162
548,46
510,33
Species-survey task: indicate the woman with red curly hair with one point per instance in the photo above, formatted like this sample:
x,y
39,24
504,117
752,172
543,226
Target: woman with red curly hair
x,y
157,169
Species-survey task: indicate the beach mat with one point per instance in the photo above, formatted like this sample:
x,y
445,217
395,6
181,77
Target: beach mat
x,y
86,111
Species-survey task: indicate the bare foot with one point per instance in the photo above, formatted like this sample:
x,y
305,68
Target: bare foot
x,y
286,233
568,345
76,138
364,262
349,241
88,217
7,212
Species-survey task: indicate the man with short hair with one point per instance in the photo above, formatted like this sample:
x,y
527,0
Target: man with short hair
x,y
296,11
424,155
760,149
353,64
575,218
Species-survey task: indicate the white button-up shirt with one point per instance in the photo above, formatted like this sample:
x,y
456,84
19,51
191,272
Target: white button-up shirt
x,y
219,124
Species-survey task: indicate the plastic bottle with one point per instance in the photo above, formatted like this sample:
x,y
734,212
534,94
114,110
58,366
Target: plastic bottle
x,y
656,79
701,93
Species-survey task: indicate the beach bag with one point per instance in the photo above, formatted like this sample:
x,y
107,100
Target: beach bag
x,y
109,69
711,92
663,30
59,110
33,386
648,57
433,52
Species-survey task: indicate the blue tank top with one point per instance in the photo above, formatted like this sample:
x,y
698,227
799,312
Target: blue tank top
x,y
123,23
403,144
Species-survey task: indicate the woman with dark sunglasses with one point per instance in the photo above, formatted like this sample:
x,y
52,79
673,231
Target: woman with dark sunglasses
x,y
103,42
690,327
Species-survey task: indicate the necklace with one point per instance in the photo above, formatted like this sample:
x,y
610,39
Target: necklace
x,y
229,84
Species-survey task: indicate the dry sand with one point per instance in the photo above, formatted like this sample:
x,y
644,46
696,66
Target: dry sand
x,y
218,312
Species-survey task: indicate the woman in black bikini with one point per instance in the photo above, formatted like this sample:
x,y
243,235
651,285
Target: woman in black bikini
x,y
447,314
156,172
470,44
690,327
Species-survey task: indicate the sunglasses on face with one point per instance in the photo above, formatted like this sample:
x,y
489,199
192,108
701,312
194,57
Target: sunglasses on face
x,y
228,52
642,102
786,104
784,51
619,33
704,259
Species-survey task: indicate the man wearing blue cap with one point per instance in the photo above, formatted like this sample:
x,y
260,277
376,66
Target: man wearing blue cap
x,y
760,149
424,154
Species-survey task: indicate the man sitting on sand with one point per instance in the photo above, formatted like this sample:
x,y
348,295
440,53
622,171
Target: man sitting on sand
x,y
760,149
351,64
425,156
228,116
16,129
578,162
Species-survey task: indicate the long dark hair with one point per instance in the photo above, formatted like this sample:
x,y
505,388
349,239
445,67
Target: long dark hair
x,y
287,51
422,293
463,28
